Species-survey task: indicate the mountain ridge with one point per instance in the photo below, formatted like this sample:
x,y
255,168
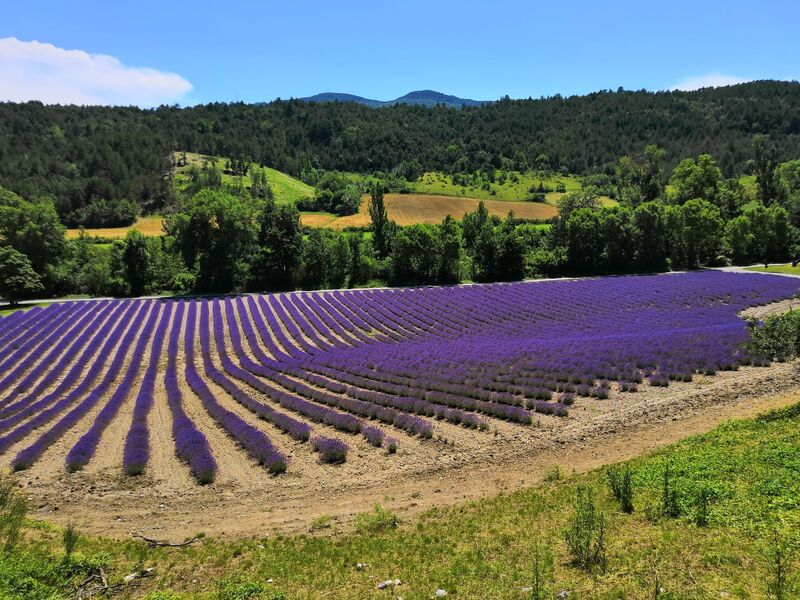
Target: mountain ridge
x,y
426,98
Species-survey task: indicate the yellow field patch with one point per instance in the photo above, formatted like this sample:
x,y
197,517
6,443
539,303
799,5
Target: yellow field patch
x,y
411,209
150,226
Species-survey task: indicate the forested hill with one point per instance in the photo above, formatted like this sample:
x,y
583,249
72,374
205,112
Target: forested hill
x,y
423,97
76,154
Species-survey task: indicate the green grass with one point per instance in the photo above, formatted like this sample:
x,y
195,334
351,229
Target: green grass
x,y
749,183
787,268
286,188
484,549
6,309
515,187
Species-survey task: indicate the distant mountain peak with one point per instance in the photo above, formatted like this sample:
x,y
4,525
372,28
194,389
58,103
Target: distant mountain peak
x,y
419,97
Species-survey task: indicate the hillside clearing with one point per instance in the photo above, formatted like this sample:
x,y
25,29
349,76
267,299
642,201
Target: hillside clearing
x,y
149,226
286,188
411,209
512,186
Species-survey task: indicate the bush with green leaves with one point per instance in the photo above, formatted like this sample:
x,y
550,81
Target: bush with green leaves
x,y
13,510
70,538
670,505
378,520
585,534
621,482
777,336
18,280
542,571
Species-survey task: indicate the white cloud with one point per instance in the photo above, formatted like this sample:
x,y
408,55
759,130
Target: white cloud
x,y
710,80
36,71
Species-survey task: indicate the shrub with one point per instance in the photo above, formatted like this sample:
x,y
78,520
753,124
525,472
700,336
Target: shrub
x,y
778,555
234,588
777,335
13,510
621,482
702,503
552,474
70,537
670,507
542,571
586,533
376,521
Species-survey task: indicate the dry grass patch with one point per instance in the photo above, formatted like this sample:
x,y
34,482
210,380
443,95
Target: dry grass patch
x,y
411,209
150,226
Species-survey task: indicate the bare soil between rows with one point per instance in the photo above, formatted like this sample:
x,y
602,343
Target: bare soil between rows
x,y
457,465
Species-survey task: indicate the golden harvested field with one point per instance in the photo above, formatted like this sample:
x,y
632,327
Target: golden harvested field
x,y
317,219
410,209
147,225
405,209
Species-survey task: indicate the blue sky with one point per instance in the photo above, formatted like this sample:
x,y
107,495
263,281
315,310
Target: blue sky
x,y
259,50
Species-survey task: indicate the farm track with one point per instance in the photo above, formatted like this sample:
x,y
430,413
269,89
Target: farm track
x,y
323,359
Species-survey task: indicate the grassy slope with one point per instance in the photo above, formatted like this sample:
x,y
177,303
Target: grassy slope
x,y
484,549
787,268
6,309
440,183
285,187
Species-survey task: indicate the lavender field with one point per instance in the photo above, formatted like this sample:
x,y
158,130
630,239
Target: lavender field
x,y
326,370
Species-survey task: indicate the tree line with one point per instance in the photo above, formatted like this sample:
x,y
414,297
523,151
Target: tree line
x,y
223,240
94,161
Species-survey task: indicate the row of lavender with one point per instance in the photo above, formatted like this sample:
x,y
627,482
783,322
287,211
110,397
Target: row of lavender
x,y
357,363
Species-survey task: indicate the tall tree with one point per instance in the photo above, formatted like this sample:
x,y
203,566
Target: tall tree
x,y
380,220
136,258
450,244
585,241
765,168
32,228
340,261
699,178
317,257
18,280
701,233
416,256
739,239
280,246
641,178
617,226
510,251
216,233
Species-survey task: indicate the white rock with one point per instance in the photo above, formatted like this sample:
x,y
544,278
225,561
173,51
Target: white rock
x,y
440,593
384,584
397,582
129,578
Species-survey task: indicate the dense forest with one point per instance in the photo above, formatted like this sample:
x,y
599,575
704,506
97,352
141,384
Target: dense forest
x,y
227,238
92,161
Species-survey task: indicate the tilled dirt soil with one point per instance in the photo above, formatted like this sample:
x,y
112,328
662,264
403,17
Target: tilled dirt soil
x,y
457,465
